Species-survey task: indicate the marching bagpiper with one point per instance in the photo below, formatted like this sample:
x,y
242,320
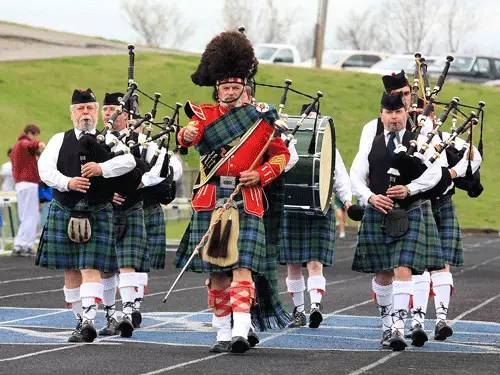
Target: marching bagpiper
x,y
229,138
78,235
393,257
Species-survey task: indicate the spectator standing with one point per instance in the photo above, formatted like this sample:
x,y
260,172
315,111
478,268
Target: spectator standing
x,y
25,172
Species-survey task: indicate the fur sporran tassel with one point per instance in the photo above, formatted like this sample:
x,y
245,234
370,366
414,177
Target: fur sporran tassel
x,y
224,239
213,248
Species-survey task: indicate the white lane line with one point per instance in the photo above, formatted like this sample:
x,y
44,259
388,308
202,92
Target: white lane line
x,y
465,313
8,269
184,364
479,244
39,353
352,306
31,279
382,360
33,317
31,293
487,261
66,346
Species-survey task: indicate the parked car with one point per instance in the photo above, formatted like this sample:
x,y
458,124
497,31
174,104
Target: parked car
x,y
270,53
470,68
397,62
347,59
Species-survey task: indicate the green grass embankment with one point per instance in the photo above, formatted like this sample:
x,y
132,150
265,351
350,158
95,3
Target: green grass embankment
x,y
40,91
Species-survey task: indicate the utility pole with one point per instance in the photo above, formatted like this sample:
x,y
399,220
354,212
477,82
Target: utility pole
x,y
319,40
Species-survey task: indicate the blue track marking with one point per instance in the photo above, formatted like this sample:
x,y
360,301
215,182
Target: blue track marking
x,y
338,332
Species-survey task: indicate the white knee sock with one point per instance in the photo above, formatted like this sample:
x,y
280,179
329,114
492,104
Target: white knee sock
x,y
316,286
383,296
296,289
442,284
142,281
223,326
241,324
109,295
420,298
127,284
91,294
72,297
401,292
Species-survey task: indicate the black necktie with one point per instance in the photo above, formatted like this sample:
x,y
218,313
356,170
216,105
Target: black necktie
x,y
391,146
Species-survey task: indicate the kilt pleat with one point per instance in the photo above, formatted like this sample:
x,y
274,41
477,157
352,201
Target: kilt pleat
x,y
418,249
307,237
131,250
449,231
154,219
56,251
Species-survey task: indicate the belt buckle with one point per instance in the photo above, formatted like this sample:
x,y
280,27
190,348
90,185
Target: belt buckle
x,y
228,182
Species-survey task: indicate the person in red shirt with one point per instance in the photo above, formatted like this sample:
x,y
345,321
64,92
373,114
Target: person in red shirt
x,y
25,172
229,136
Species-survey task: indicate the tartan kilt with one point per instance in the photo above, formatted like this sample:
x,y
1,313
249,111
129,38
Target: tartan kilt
x,y
131,251
307,237
377,252
251,241
154,219
56,251
449,231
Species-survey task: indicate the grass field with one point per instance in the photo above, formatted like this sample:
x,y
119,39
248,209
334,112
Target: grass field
x,y
40,91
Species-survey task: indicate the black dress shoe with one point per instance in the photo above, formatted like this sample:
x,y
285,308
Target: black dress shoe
x,y
253,339
315,316
76,335
221,347
299,319
418,336
136,318
386,337
88,331
239,345
110,329
442,331
397,342
125,326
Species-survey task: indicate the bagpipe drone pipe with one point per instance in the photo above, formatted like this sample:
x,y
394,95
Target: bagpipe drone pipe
x,y
96,149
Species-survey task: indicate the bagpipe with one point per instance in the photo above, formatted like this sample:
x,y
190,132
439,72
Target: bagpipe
x,y
129,141
409,162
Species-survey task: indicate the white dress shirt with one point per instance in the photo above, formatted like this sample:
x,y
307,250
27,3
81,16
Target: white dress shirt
x,y
360,171
342,184
47,163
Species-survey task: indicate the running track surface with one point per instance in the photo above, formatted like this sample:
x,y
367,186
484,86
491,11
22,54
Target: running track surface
x,y
175,337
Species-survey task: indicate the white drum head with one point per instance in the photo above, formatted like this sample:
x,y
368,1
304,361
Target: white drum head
x,y
326,169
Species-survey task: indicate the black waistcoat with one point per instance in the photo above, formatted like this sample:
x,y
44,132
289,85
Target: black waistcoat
x,y
68,163
379,162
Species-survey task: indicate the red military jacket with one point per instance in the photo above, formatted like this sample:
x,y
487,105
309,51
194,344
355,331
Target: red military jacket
x,y
277,157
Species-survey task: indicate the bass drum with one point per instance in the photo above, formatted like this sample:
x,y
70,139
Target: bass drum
x,y
309,184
